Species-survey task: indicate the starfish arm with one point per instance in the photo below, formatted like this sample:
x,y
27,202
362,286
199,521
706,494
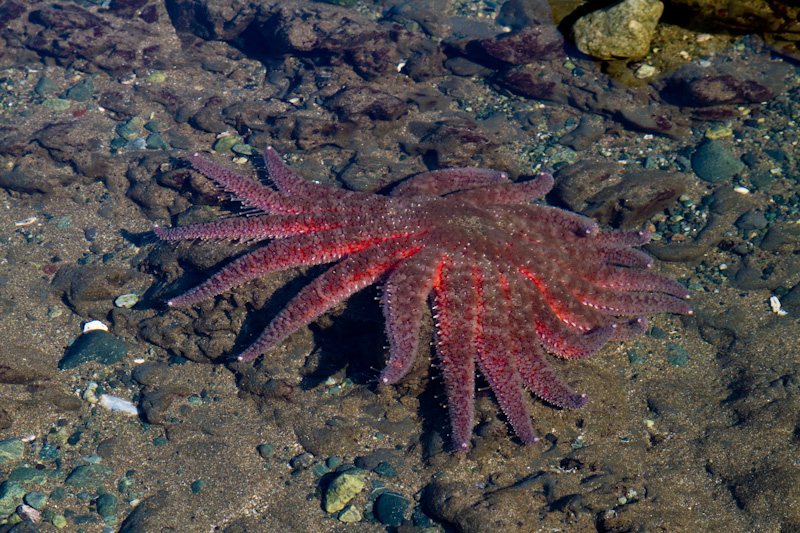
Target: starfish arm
x,y
627,257
623,238
345,278
628,279
455,299
293,184
301,250
447,180
543,381
634,303
403,300
512,193
257,195
253,228
498,350
631,329
537,219
556,336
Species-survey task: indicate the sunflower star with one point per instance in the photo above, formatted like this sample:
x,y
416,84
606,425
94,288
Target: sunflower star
x,y
509,280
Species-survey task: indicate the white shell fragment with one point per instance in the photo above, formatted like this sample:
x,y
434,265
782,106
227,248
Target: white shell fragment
x,y
775,304
115,403
93,325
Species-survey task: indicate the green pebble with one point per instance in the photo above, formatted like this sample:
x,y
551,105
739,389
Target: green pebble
x,y
244,149
81,91
107,505
198,485
224,144
128,131
64,222
343,489
125,484
195,401
126,300
58,494
320,469
11,450
28,475
677,354
159,441
37,500
153,126
350,514
59,521
10,497
266,451
45,86
155,141
156,77
88,476
56,104
334,462
385,470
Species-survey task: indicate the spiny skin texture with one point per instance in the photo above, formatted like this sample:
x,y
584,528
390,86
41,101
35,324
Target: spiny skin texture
x,y
509,280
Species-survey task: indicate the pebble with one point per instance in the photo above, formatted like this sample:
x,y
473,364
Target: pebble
x,y
37,500
677,354
59,521
10,497
97,345
350,514
343,489
224,144
81,91
752,220
155,141
714,163
107,505
88,476
266,451
126,300
56,104
11,450
304,460
198,485
390,508
45,86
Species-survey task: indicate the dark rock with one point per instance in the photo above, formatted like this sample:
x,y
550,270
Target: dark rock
x,y
611,196
752,220
97,345
390,508
455,142
589,130
156,403
539,84
526,45
81,91
781,235
655,119
84,286
107,505
369,102
714,163
150,514
89,476
151,373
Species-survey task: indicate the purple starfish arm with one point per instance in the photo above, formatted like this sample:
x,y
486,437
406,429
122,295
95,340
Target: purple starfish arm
x,y
498,351
455,301
254,228
302,250
447,180
512,193
345,278
404,295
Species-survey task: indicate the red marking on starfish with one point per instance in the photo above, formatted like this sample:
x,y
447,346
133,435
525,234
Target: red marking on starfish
x,y
509,281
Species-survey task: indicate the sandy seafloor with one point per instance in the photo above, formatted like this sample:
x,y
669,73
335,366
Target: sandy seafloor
x,y
692,427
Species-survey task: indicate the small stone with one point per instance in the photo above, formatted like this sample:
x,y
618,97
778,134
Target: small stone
x,y
59,521
677,354
37,500
390,509
304,460
125,484
266,451
11,450
224,144
156,77
243,149
97,345
350,514
107,505
645,71
155,141
81,91
198,485
343,489
714,163
10,497
126,300
385,470
28,475
752,220
45,86
56,104
89,476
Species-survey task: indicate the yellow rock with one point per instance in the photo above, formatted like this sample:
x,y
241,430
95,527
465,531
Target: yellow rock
x,y
343,489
